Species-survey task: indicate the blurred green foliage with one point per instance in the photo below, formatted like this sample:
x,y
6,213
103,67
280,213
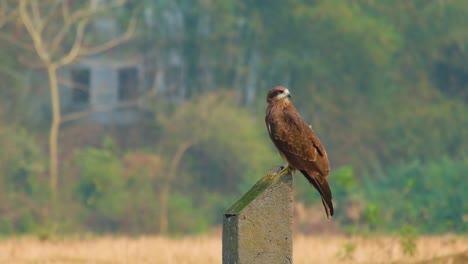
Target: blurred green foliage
x,y
347,252
102,185
227,153
408,237
428,195
23,190
383,83
227,142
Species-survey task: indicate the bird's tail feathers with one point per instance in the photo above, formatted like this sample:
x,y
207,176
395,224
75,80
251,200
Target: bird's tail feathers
x,y
324,189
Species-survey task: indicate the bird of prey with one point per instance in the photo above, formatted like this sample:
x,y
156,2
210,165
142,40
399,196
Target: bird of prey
x,y
297,143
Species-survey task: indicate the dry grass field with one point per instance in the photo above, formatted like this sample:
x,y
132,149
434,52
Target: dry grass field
x,y
205,250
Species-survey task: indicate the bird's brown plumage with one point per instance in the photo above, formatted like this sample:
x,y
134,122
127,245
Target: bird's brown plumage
x,y
297,143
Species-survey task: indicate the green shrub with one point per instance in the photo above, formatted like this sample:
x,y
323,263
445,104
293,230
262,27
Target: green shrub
x,y
408,236
101,188
23,192
431,195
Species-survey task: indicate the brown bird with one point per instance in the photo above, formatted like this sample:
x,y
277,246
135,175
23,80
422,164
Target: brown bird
x,y
297,143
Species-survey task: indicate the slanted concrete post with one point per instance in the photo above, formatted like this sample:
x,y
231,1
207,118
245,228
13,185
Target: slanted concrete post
x,y
258,227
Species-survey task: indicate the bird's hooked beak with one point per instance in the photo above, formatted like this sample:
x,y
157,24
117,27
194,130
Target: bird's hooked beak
x,y
288,94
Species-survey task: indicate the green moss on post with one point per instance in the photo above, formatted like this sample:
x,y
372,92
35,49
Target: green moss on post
x,y
258,227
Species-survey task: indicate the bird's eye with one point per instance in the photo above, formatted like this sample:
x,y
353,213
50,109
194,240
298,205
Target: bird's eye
x,y
280,91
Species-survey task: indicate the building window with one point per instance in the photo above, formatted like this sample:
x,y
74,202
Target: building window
x,y
128,84
80,85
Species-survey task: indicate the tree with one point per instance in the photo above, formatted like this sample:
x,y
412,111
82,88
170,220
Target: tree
x,y
209,159
60,32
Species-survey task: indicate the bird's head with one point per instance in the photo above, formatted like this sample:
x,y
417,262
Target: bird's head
x,y
277,94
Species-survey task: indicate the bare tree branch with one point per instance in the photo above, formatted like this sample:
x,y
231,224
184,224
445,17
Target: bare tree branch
x,y
65,10
51,13
57,41
22,44
7,13
77,15
72,84
32,63
36,15
102,108
88,12
35,35
77,44
69,21
112,43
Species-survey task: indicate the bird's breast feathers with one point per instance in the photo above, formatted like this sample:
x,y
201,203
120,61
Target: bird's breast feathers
x,y
295,139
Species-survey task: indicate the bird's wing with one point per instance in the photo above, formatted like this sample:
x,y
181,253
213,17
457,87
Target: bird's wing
x,y
296,139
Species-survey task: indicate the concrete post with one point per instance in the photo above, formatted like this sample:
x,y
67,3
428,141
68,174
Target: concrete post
x,y
258,227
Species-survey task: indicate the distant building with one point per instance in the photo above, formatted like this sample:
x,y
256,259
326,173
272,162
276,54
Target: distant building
x,y
108,88
106,85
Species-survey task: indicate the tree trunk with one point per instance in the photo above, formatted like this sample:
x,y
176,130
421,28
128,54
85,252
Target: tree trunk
x,y
163,209
54,131
164,194
252,78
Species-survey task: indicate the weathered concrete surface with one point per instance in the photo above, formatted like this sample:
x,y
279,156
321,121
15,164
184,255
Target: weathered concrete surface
x,y
258,227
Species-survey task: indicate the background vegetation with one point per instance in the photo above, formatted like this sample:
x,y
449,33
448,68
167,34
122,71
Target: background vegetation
x,y
384,83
